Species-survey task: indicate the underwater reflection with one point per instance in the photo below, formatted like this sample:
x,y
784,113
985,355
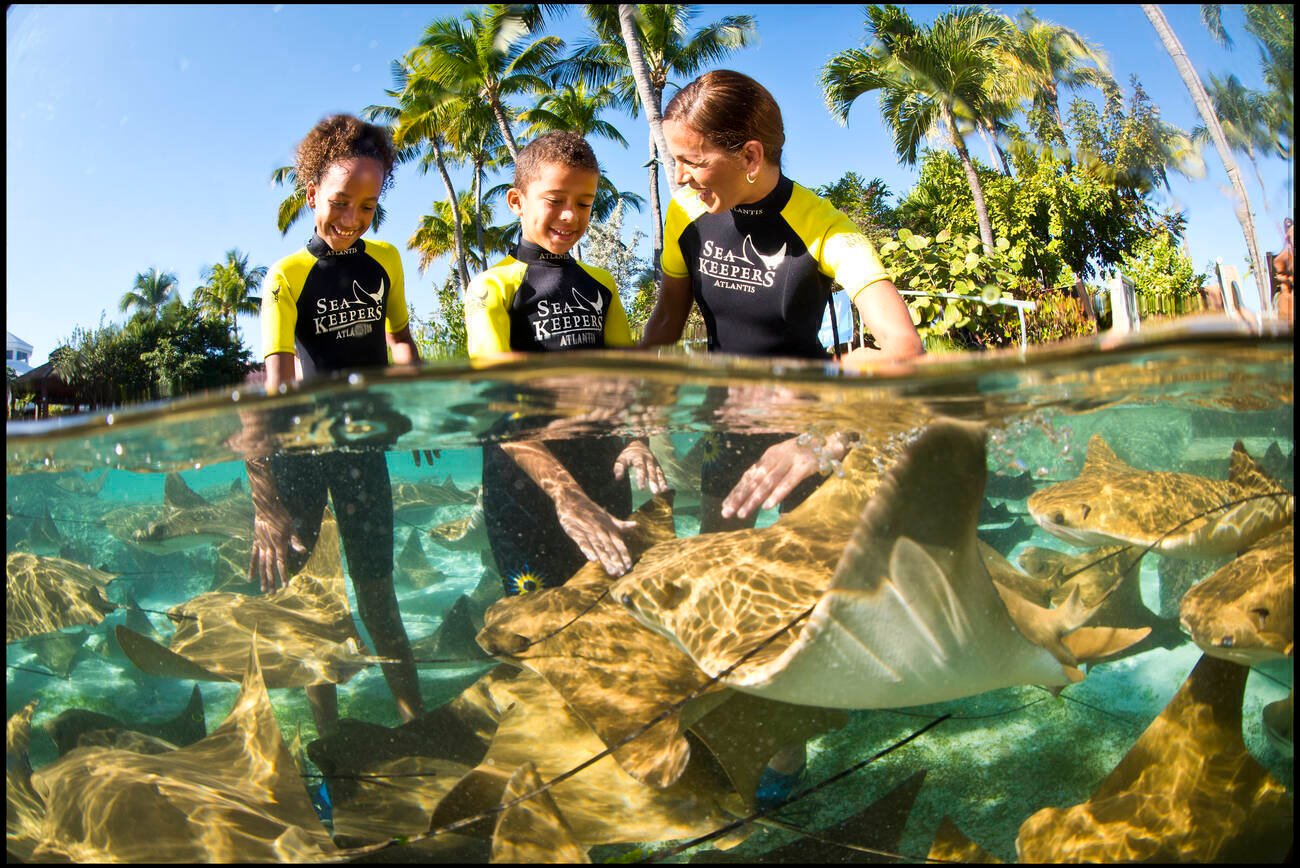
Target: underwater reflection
x,y
900,622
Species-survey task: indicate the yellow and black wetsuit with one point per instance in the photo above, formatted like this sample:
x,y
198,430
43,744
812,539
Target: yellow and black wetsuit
x,y
762,273
331,309
537,301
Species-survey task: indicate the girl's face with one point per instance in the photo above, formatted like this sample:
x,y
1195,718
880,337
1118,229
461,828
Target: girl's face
x,y
719,175
345,200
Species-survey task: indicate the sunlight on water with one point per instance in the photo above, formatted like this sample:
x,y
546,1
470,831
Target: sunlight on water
x,y
1109,495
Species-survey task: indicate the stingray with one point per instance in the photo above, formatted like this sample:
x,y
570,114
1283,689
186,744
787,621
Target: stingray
x,y
230,560
1107,577
533,830
1279,466
412,566
745,731
44,533
616,674
417,496
1187,791
1245,612
952,845
454,640
1176,514
57,651
392,799
468,533
307,633
1279,724
189,519
74,724
1002,528
24,808
46,594
879,826
909,616
234,796
603,804
80,485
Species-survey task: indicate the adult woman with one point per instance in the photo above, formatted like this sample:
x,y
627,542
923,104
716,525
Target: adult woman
x,y
760,255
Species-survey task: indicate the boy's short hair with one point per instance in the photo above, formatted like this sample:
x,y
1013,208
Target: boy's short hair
x,y
559,146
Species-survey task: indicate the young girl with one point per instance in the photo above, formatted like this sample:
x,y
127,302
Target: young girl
x,y
322,308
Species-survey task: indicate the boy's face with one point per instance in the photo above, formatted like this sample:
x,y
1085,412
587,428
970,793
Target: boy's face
x,y
555,208
345,200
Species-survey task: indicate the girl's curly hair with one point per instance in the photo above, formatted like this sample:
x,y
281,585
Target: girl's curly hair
x,y
343,137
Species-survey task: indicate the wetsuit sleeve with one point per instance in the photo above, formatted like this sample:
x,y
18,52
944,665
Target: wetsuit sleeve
x,y
279,314
672,261
487,312
396,316
617,332
849,257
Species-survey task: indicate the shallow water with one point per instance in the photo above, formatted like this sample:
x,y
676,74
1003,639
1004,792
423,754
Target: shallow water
x,y
1175,401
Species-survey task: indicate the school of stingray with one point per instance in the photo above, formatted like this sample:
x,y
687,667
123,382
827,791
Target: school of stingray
x,y
642,710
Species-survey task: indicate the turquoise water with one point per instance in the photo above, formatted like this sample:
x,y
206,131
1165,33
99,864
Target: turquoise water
x,y
1174,401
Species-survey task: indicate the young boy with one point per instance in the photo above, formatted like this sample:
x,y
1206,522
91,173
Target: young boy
x,y
541,299
337,303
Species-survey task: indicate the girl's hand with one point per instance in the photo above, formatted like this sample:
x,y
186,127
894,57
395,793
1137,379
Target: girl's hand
x,y
648,475
597,533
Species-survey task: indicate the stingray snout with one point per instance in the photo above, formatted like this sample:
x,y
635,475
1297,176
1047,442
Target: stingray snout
x,y
498,640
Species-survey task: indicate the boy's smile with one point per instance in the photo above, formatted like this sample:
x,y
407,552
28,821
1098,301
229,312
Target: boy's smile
x,y
555,210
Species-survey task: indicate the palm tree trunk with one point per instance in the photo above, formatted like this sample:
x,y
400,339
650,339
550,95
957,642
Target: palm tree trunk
x,y
644,89
478,208
506,132
656,209
972,178
1211,120
458,235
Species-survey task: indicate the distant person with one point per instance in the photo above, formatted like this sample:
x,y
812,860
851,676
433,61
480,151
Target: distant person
x,y
551,505
1284,274
336,304
760,255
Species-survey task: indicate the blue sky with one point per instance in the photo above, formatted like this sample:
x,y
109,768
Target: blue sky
x,y
146,135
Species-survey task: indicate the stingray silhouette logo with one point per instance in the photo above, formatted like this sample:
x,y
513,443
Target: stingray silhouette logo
x,y
343,317
745,271
575,323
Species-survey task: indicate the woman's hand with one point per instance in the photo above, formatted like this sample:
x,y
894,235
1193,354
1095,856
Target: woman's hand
x,y
598,534
771,479
648,475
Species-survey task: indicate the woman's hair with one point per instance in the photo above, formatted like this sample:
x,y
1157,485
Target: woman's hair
x,y
558,146
343,137
729,108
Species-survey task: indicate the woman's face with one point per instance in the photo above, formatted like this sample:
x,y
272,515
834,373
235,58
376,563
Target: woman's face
x,y
718,174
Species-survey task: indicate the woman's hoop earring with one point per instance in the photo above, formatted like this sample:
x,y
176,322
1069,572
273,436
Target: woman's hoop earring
x,y
751,178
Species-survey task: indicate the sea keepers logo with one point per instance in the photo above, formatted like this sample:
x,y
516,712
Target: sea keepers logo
x,y
350,318
577,323
745,271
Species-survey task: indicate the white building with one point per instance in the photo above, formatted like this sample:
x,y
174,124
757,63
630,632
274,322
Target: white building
x,y
18,354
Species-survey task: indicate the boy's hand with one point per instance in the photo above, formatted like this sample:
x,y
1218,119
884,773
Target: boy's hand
x,y
429,455
648,475
598,534
273,536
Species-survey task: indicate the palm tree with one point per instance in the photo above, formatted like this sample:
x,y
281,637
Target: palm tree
x,y
229,289
436,235
490,56
419,124
1245,115
1042,57
150,292
635,50
927,78
1211,121
571,107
